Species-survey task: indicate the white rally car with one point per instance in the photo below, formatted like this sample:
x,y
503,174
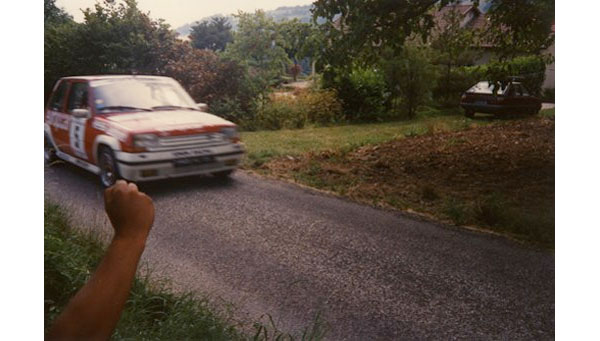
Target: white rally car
x,y
138,128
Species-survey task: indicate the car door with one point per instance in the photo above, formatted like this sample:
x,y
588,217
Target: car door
x,y
530,103
57,117
77,106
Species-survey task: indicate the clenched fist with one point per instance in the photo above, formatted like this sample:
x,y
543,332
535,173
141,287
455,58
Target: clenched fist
x,y
131,212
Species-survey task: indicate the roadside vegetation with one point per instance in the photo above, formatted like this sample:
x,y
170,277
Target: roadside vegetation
x,y
494,174
153,311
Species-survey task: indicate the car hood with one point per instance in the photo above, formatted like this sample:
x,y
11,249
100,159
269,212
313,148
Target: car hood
x,y
165,120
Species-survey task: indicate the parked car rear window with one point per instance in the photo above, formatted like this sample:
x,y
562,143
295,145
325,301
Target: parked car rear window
x,y
486,88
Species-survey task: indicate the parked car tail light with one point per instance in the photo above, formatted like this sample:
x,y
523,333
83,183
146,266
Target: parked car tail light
x,y
231,133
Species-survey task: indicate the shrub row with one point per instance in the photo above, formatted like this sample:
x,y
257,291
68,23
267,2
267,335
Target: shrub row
x,y
297,110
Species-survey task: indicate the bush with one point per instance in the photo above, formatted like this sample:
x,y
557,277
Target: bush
x,y
322,107
281,113
410,78
531,70
295,111
548,95
451,87
362,92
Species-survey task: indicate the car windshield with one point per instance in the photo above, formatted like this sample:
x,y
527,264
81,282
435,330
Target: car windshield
x,y
139,94
486,88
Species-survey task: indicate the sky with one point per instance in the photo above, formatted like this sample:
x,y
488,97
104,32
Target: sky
x,y
181,12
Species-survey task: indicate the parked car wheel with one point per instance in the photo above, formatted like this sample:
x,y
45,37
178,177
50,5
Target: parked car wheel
x,y
49,151
223,174
109,173
469,113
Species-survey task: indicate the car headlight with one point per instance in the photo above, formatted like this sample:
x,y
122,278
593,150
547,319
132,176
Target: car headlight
x,y
231,133
145,140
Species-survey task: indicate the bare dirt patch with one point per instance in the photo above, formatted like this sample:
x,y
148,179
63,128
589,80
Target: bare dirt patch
x,y
500,177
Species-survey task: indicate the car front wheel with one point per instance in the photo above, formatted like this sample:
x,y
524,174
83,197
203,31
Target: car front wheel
x,y
470,113
109,174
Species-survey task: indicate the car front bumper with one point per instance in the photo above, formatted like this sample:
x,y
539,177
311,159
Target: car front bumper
x,y
148,166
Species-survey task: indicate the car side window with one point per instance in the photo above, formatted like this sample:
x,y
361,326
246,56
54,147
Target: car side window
x,y
519,90
511,90
78,98
56,103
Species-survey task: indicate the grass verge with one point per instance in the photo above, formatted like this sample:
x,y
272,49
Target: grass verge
x,y
494,174
264,146
153,311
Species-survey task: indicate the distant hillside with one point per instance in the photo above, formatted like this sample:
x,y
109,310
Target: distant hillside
x,y
301,13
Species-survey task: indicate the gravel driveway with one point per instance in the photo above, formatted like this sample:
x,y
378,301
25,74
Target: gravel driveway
x,y
271,247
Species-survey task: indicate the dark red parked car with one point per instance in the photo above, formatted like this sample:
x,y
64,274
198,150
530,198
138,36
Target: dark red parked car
x,y
513,98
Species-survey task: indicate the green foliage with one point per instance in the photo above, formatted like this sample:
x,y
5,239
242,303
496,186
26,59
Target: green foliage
x,y
210,79
451,86
365,28
259,45
152,311
410,77
214,34
530,70
114,38
362,92
520,27
322,107
294,112
281,113
548,95
54,15
453,46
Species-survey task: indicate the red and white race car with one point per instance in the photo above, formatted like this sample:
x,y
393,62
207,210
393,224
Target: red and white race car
x,y
138,128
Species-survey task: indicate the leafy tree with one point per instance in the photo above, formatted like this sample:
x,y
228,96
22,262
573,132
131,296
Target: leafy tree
x,y
54,15
209,78
409,76
302,40
520,27
59,30
454,45
214,34
119,38
364,28
259,46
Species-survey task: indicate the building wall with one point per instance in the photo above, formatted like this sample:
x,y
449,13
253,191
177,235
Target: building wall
x,y
549,81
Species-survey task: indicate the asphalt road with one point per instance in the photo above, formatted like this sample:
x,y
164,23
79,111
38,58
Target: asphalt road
x,y
269,247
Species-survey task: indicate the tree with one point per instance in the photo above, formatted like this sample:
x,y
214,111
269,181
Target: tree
x,y
114,38
364,28
207,77
59,30
520,27
454,45
54,15
214,34
259,46
409,77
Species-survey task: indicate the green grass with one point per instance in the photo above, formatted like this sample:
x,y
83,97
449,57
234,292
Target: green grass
x,y
152,311
265,145
547,112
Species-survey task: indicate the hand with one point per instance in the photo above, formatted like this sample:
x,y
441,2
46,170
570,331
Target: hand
x,y
131,212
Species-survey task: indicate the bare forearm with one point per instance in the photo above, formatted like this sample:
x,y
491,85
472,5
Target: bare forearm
x,y
95,310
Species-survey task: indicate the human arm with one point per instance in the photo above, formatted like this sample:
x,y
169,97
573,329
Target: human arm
x,y
95,310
